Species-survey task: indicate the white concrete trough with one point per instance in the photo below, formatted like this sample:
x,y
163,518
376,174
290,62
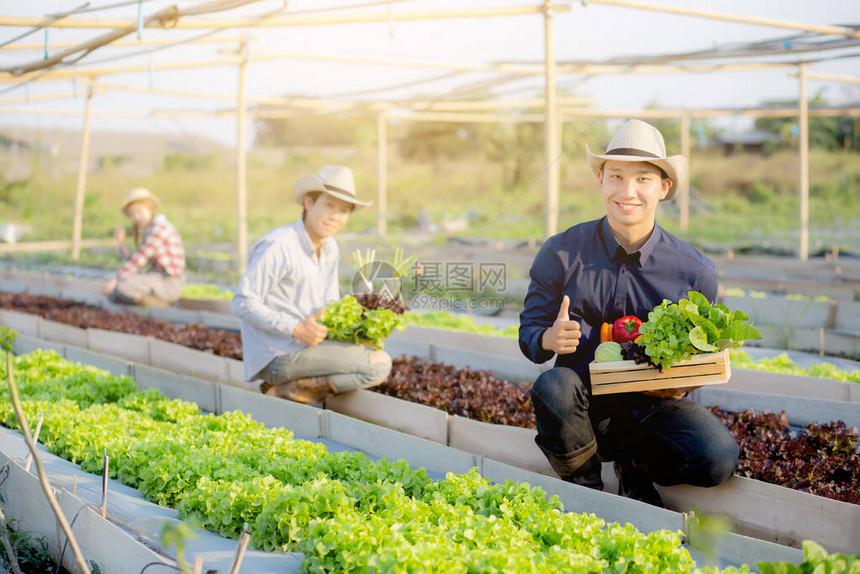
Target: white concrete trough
x,y
132,347
489,344
800,411
511,445
113,365
24,323
301,419
767,511
26,344
12,285
502,366
192,389
219,321
113,549
187,361
382,442
389,412
62,333
82,286
397,345
173,314
753,381
45,289
847,316
842,343
236,375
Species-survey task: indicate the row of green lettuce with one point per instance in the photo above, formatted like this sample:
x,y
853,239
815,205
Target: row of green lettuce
x,y
783,364
345,512
752,294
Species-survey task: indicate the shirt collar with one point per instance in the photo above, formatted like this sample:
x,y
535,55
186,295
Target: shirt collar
x,y
615,252
308,245
646,250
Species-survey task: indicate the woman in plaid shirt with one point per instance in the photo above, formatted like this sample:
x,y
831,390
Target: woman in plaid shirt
x,y
161,248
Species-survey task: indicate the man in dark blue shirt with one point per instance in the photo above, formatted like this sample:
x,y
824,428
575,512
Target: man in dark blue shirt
x,y
599,271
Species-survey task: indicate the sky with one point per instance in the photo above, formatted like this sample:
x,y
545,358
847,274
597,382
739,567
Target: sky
x,y
589,31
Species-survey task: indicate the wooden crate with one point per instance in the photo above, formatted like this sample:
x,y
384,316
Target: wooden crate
x,y
627,376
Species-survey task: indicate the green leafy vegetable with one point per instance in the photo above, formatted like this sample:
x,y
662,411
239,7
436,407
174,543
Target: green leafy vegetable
x,y
348,321
607,352
676,331
206,291
343,511
7,338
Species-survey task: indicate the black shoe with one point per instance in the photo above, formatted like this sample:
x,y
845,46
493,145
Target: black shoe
x,y
634,482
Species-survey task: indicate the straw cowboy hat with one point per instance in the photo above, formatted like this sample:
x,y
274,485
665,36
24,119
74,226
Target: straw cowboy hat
x,y
140,194
640,141
334,180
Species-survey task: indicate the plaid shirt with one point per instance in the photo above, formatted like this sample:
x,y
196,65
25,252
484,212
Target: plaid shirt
x,y
162,247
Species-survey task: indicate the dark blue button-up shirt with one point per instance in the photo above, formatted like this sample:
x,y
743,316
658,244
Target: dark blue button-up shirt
x,y
605,283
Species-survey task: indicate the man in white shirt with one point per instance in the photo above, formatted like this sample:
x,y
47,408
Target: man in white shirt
x,y
291,277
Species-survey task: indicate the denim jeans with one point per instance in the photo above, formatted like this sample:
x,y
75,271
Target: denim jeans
x,y
677,441
348,365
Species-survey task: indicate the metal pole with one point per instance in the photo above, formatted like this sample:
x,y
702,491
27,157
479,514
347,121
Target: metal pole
x,y
551,143
241,167
382,169
77,224
803,248
684,196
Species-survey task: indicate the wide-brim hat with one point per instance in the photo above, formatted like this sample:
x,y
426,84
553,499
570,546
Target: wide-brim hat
x,y
335,180
640,141
140,194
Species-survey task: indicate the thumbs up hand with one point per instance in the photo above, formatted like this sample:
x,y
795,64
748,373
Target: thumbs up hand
x,y
563,337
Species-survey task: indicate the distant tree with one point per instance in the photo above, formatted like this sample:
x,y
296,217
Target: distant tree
x,y
316,129
514,147
832,133
432,141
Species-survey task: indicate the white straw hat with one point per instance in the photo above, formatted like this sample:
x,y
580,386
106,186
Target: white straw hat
x,y
140,194
335,180
640,141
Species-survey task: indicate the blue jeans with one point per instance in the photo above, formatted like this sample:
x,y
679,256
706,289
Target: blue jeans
x,y
677,441
350,366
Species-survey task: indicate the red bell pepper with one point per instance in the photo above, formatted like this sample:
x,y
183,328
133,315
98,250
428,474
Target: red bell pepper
x,y
626,329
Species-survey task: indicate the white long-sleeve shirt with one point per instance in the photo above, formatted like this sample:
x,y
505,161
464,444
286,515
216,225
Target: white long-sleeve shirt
x,y
284,283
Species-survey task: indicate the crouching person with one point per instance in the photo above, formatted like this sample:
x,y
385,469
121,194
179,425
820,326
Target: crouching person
x,y
154,274
597,272
292,276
